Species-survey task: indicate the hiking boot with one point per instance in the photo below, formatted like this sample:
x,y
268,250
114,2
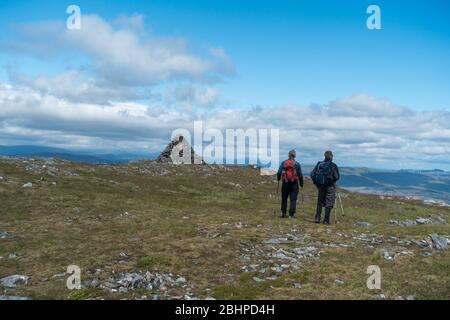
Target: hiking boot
x,y
292,217
283,215
318,214
327,215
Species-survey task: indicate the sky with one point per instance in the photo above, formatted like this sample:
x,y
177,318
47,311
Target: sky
x,y
137,70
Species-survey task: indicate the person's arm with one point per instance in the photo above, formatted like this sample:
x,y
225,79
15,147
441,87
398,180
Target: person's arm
x,y
300,175
336,174
280,170
313,172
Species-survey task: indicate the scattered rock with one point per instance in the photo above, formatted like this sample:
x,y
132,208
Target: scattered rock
x,y
363,224
394,253
297,285
339,282
269,257
422,244
386,254
28,185
163,172
277,269
123,255
11,298
94,283
420,220
408,222
272,241
14,280
151,281
59,275
282,240
369,238
240,225
6,234
439,242
123,290
180,280
436,203
404,242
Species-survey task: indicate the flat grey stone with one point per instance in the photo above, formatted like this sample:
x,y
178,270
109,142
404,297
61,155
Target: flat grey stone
x,y
6,234
363,224
12,281
11,298
440,242
423,221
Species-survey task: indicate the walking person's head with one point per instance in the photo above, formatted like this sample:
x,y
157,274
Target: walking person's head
x,y
292,154
328,155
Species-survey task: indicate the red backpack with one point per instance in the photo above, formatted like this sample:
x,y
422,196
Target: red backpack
x,y
289,173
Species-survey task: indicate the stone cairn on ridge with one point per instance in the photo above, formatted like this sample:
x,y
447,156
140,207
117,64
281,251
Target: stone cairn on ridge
x,y
174,151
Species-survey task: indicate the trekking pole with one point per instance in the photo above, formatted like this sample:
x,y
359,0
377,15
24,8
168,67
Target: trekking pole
x,y
276,199
340,201
303,202
335,211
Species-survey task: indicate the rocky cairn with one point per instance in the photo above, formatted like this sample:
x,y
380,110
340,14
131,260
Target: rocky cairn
x,y
175,150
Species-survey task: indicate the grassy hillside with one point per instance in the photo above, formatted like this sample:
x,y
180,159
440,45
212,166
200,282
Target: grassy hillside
x,y
214,226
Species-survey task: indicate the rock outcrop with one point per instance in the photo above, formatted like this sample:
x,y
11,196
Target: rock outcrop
x,y
174,153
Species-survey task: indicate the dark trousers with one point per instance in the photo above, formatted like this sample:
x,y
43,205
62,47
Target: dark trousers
x,y
326,198
289,190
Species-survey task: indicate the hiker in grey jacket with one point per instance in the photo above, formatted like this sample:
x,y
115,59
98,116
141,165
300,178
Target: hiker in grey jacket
x,y
324,176
290,172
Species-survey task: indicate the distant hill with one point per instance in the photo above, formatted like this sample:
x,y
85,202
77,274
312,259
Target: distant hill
x,y
425,184
73,155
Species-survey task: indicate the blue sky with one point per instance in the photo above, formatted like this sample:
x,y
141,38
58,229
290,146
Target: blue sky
x,y
304,51
276,54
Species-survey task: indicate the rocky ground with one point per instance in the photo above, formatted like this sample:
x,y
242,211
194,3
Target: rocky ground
x,y
144,230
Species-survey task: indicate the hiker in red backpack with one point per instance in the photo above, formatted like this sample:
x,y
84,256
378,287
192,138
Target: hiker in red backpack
x,y
290,172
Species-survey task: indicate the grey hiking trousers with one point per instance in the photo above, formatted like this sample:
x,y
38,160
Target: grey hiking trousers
x,y
327,196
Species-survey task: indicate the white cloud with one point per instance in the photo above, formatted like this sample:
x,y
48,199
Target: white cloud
x,y
25,109
122,52
364,105
76,87
189,97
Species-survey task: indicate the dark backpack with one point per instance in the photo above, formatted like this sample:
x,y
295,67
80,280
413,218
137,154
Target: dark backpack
x,y
323,174
289,173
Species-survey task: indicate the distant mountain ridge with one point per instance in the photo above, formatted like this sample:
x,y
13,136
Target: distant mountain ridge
x,y
424,184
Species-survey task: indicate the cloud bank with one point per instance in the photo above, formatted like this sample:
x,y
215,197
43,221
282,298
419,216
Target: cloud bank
x,y
367,135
